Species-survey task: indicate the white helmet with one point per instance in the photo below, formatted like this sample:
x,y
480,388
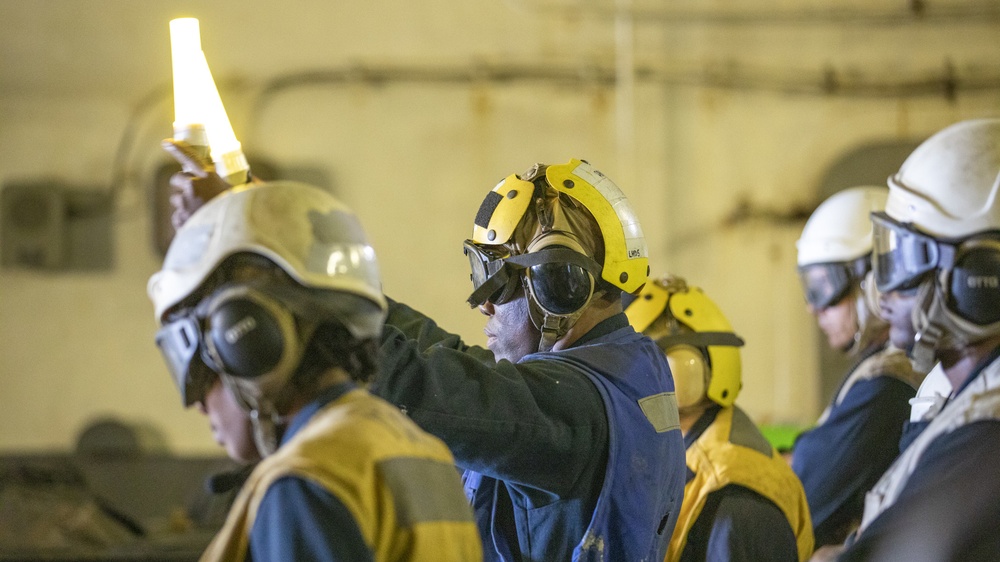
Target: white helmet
x,y
940,234
834,257
307,232
253,333
840,230
948,187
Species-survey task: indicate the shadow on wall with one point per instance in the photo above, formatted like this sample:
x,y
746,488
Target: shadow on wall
x,y
121,495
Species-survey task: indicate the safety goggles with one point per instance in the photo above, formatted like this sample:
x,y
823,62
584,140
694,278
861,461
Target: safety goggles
x,y
825,284
187,360
903,257
494,272
490,279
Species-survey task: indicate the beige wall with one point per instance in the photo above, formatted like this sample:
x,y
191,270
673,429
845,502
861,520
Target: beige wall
x,y
414,158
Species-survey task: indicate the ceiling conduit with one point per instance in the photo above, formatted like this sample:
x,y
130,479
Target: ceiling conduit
x,y
912,11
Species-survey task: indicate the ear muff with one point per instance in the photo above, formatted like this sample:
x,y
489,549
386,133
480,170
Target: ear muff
x,y
974,283
687,364
249,334
559,288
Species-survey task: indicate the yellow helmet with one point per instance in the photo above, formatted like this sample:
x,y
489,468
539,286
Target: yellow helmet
x,y
698,340
566,229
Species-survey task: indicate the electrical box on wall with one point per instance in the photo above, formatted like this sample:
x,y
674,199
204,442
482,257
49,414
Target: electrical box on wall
x,y
53,226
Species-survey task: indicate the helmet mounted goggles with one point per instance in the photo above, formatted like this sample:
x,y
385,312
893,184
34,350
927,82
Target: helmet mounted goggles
x,y
188,361
495,272
903,257
826,284
624,261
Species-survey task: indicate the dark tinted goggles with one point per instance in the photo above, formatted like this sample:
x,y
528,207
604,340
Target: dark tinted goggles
x,y
180,343
494,269
825,284
902,256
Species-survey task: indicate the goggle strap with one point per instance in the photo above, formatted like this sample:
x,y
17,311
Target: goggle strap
x,y
556,255
495,282
946,255
523,261
860,266
701,339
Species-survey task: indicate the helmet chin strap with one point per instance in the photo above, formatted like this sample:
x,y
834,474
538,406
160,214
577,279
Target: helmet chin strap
x,y
939,328
553,327
258,397
264,418
871,326
265,431
550,332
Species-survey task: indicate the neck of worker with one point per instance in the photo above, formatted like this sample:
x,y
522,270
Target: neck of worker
x,y
597,311
961,364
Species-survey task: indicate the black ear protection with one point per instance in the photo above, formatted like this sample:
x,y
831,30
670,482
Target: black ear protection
x,y
248,333
974,281
564,283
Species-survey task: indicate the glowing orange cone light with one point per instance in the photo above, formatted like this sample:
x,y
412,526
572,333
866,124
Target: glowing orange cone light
x,y
185,51
199,117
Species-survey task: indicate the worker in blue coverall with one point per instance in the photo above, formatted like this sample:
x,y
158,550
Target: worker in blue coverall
x,y
857,436
275,347
566,427
937,265
742,502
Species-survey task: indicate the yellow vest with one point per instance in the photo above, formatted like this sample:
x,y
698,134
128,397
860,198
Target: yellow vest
x,y
717,462
399,483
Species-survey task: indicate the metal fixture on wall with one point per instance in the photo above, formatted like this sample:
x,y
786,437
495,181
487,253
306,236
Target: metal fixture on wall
x,y
51,226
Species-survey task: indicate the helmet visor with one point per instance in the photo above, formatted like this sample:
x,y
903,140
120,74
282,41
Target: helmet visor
x,y
902,257
179,342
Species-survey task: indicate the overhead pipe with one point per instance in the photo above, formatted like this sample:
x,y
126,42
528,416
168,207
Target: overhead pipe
x,y
911,11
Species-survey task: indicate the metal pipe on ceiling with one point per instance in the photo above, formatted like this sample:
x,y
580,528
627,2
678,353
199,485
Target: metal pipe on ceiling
x,y
908,12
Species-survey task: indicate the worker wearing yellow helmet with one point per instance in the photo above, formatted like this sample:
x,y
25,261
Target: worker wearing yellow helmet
x,y
566,426
741,501
568,432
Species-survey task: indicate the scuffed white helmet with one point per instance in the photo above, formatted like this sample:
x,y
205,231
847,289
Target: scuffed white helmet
x,y
840,230
949,186
307,232
940,236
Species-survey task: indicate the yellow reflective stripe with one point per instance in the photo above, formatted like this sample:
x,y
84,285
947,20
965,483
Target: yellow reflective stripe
x,y
416,483
661,411
626,258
